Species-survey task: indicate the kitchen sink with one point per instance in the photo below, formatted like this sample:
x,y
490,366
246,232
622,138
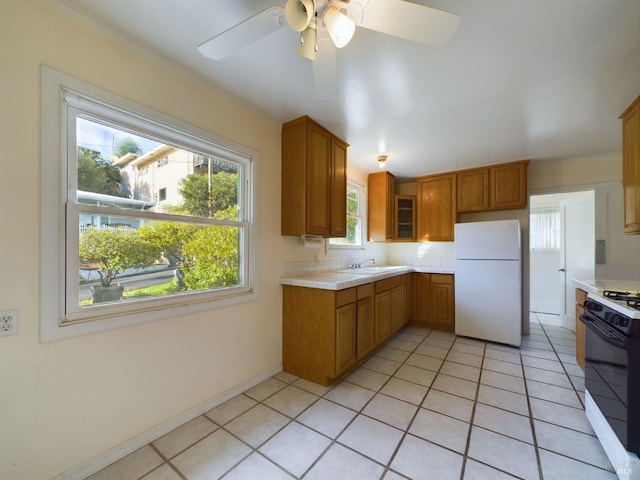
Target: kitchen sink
x,y
371,270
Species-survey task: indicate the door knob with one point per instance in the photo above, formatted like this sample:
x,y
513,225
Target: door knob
x,y
561,270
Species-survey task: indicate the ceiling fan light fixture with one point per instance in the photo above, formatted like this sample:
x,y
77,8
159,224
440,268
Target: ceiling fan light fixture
x,y
307,47
299,14
340,27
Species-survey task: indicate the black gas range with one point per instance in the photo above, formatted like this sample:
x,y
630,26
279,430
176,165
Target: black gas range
x,y
616,309
612,365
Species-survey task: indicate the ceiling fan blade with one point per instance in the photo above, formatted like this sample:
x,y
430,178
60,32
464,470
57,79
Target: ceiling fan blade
x,y
244,33
325,71
417,23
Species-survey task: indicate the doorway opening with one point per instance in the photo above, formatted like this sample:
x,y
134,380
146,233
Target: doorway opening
x,y
561,247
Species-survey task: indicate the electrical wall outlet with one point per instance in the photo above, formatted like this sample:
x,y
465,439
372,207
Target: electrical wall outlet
x,y
8,323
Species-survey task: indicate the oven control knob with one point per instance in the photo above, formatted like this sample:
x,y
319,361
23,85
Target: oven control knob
x,y
619,320
593,306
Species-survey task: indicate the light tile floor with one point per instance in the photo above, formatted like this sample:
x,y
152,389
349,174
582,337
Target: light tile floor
x,y
428,405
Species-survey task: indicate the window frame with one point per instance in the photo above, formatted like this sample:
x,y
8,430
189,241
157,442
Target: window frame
x,y
362,216
62,98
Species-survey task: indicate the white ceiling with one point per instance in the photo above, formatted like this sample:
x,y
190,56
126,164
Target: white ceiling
x,y
538,79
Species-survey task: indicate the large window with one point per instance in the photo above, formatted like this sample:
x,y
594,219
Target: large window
x,y
153,217
355,215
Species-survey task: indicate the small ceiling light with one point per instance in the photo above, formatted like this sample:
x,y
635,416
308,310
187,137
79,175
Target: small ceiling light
x,y
308,46
299,13
382,160
340,27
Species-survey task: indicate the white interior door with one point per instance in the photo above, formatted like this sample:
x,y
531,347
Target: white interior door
x,y
577,246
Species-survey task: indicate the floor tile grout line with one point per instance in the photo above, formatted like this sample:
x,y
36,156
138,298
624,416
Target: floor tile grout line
x,y
429,388
415,414
166,462
358,413
465,456
561,426
534,437
563,366
276,432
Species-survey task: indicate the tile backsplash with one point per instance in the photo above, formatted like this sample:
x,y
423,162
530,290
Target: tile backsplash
x,y
430,254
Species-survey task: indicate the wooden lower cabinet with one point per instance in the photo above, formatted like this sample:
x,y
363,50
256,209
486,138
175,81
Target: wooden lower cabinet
x,y
390,306
441,307
325,332
421,297
382,313
345,337
581,296
365,329
318,332
433,304
397,309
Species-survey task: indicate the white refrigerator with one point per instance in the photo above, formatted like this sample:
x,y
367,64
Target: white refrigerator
x,y
488,281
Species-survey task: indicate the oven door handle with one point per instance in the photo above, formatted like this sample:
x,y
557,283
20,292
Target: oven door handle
x,y
604,331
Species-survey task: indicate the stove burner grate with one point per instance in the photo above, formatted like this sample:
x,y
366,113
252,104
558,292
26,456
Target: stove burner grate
x,y
616,294
634,303
632,299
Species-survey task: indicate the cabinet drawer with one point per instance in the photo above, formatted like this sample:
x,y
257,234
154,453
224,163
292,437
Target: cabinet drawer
x,y
346,296
388,283
365,291
442,278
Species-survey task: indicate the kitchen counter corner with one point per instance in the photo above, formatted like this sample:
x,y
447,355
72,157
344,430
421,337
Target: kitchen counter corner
x,y
339,280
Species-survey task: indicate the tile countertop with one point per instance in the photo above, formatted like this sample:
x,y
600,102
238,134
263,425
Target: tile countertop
x,y
338,280
599,286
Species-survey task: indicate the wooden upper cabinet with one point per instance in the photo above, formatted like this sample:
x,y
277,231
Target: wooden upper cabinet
x,y
318,199
380,206
495,187
338,188
314,180
508,185
437,212
473,190
631,166
404,226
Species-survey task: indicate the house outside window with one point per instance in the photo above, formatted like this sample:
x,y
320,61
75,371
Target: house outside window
x,y
355,219
122,257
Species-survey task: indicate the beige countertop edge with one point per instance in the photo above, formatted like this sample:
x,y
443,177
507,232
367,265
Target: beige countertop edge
x,y
599,285
329,280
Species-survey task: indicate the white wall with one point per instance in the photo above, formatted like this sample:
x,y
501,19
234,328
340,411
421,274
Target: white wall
x,y
622,251
603,174
67,401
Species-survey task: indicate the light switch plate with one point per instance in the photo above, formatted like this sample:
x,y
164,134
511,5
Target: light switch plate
x,y
601,252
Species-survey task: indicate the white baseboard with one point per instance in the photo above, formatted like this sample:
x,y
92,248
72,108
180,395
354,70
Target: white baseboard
x,y
544,306
85,469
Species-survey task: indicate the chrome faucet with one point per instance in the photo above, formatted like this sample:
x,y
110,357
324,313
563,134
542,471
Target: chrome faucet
x,y
358,265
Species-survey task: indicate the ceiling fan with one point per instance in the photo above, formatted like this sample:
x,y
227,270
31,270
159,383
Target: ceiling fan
x,y
319,21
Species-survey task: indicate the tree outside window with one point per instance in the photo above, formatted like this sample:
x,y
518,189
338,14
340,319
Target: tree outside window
x,y
353,239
